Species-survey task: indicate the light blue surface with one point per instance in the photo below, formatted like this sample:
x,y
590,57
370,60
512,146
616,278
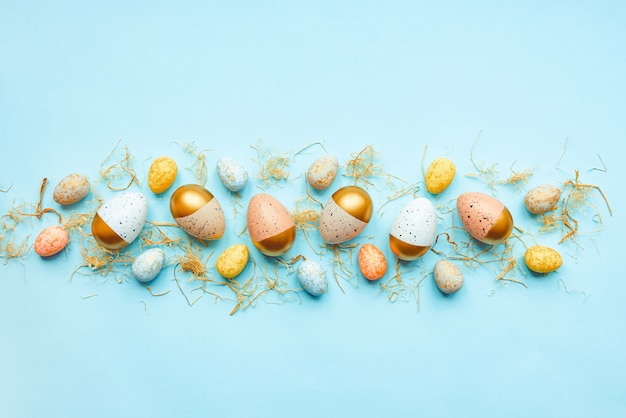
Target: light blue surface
x,y
75,78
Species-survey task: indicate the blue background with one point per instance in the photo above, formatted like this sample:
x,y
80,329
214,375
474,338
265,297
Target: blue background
x,y
77,77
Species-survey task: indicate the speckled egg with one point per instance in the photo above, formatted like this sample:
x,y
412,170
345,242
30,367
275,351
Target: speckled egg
x,y
372,262
232,174
197,212
51,241
271,228
119,221
312,277
162,174
542,199
484,217
414,229
541,259
345,215
440,174
232,261
322,172
448,277
71,189
148,265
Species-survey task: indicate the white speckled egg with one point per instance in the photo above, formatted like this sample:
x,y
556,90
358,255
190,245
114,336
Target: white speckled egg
x,y
71,189
448,277
232,174
119,221
312,277
345,215
148,265
413,231
322,172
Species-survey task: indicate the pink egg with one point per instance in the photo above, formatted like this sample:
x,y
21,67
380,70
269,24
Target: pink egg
x,y
485,217
51,240
271,228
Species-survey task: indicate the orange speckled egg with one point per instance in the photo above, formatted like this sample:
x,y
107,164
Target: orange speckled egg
x,y
271,228
197,212
51,240
372,262
485,217
345,215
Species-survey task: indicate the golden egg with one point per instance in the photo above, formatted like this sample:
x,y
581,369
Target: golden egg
x,y
120,220
346,214
485,217
197,212
271,228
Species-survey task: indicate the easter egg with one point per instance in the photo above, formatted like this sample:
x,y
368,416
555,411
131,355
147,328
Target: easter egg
x,y
197,212
448,277
542,199
51,241
232,261
232,174
413,231
440,174
322,172
312,277
162,174
271,228
71,189
541,259
484,217
119,221
372,262
345,215
148,265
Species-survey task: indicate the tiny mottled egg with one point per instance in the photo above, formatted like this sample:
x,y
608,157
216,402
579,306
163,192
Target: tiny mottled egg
x,y
484,217
119,221
197,212
372,262
71,189
232,261
51,240
542,199
232,174
322,172
162,174
542,259
312,277
439,175
271,228
448,277
148,265
413,231
345,215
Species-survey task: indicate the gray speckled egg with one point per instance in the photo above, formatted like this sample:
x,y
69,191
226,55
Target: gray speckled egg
x,y
312,277
232,174
322,172
448,277
148,265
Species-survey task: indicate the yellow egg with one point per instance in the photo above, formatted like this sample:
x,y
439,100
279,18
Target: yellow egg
x,y
542,259
162,174
232,261
197,212
439,175
345,215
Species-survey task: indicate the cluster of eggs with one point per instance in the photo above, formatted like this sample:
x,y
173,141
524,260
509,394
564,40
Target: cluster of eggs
x,y
120,220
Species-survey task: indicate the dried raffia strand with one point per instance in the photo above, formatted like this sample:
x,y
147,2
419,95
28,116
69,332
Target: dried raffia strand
x,y
119,169
39,212
199,167
7,189
487,175
363,165
517,178
273,166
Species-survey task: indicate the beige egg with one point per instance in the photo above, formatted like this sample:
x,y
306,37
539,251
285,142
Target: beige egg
x,y
197,212
322,172
345,215
71,189
448,277
542,199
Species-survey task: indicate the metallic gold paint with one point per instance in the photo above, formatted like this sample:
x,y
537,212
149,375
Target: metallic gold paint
x,y
356,201
187,199
105,236
405,251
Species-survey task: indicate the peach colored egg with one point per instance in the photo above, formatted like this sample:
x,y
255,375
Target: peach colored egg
x,y
271,228
345,215
372,262
484,217
51,240
197,212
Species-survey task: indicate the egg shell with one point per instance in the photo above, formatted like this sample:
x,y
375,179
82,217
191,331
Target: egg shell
x,y
232,174
484,217
270,225
125,216
51,240
148,265
198,212
162,174
345,215
232,261
322,172
541,199
448,277
372,262
71,189
414,229
312,277
541,259
440,174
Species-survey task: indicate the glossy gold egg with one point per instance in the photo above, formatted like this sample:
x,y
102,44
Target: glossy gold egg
x,y
197,212
105,236
271,228
119,221
345,215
